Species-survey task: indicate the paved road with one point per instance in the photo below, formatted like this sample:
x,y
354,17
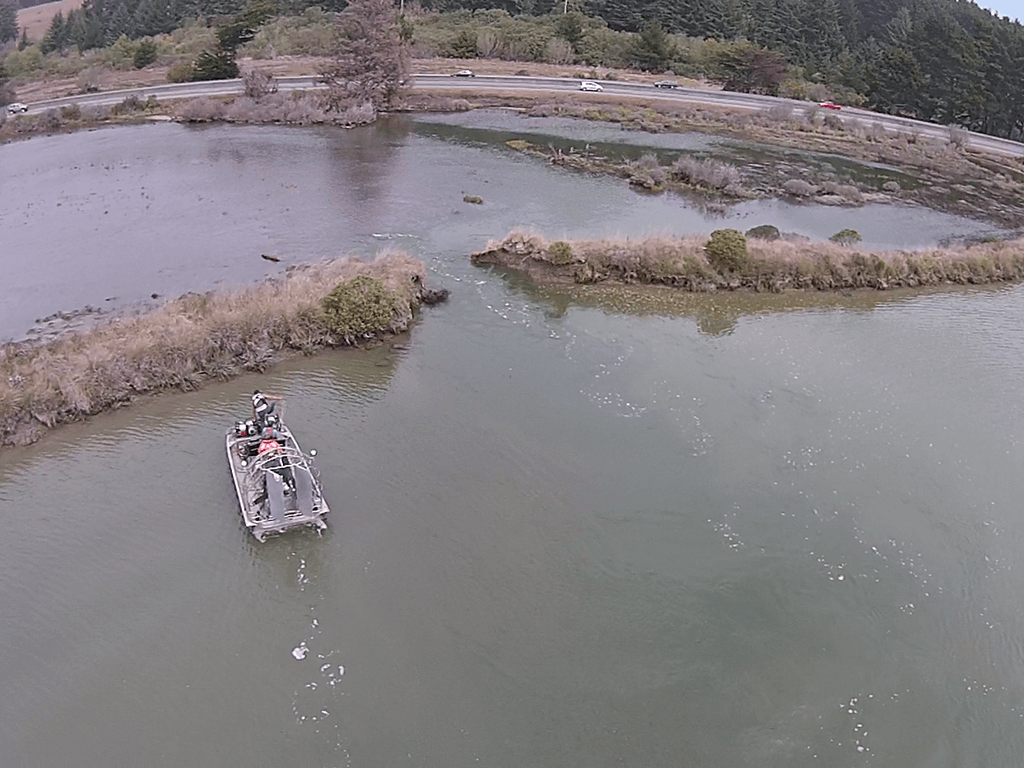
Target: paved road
x,y
741,101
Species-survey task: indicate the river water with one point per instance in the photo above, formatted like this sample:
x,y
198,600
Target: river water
x,y
569,527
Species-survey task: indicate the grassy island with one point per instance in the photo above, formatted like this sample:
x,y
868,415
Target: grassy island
x,y
729,260
199,337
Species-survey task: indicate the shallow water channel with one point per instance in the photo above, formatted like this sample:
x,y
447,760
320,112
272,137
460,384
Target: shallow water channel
x,y
570,527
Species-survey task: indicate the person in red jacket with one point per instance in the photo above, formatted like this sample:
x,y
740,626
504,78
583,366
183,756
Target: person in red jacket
x,y
278,463
272,441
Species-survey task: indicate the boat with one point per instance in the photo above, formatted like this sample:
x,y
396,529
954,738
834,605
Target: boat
x,y
278,490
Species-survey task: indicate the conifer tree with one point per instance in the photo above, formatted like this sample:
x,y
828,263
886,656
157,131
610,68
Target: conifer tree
x,y
55,37
653,49
6,92
8,20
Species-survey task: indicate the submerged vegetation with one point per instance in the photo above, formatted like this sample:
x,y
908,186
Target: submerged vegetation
x,y
937,173
196,338
728,261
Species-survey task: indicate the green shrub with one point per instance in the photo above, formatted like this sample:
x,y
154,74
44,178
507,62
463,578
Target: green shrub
x,y
727,250
120,54
464,46
846,237
145,54
215,65
309,34
180,72
358,307
560,252
764,232
24,63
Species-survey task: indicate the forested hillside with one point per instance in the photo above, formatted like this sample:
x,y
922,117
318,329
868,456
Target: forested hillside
x,y
946,61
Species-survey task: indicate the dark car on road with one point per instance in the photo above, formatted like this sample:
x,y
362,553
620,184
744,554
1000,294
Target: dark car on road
x,y
666,84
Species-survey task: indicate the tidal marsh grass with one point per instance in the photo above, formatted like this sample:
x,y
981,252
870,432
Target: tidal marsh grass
x,y
293,108
707,173
799,188
195,338
768,265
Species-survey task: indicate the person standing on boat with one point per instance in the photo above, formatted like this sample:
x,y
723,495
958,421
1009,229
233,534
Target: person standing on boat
x,y
262,407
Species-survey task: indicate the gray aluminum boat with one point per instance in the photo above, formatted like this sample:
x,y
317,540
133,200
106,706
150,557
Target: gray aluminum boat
x,y
277,490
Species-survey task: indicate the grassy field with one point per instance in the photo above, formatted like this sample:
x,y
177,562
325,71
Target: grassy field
x,y
36,20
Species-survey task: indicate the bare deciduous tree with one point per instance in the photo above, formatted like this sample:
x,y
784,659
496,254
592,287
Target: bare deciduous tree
x,y
488,44
559,51
258,83
370,63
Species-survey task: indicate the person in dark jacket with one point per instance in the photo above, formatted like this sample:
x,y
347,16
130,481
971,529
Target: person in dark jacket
x,y
262,407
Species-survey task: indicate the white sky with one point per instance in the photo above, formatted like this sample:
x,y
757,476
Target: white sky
x,y
1012,8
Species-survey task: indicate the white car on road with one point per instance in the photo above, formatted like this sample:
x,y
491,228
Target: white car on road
x,y
588,85
16,108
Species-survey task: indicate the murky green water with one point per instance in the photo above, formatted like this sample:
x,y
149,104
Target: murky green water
x,y
569,528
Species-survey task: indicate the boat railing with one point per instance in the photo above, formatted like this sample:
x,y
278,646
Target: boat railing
x,y
286,456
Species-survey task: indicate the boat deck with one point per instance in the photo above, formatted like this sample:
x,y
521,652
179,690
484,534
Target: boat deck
x,y
277,491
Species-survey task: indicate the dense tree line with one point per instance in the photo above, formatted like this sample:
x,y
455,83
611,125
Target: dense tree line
x,y
947,61
99,23
8,21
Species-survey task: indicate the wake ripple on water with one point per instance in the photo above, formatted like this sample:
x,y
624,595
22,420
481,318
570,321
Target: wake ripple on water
x,y
316,698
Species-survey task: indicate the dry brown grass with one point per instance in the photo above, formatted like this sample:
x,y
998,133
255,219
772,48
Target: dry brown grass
x,y
770,266
37,19
187,341
293,108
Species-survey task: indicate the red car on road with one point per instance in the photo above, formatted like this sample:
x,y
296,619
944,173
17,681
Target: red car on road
x,y
829,105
